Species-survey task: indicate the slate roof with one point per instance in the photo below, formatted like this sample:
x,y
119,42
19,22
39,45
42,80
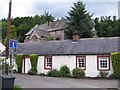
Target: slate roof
x,y
29,32
55,25
43,33
68,47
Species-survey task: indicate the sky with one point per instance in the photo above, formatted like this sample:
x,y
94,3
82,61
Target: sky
x,y
58,8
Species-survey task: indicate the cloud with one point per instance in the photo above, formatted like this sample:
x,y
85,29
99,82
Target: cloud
x,y
20,8
59,8
3,8
102,8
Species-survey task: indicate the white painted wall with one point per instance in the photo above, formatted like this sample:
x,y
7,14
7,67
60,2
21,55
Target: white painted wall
x,y
70,61
27,65
2,47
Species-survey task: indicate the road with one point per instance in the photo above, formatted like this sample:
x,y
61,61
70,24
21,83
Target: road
x,y
30,81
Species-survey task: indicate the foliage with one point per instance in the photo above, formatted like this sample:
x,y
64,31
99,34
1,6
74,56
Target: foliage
x,y
116,63
13,34
54,73
32,72
65,71
34,59
103,74
42,74
107,26
4,29
24,24
48,38
80,21
112,76
47,17
19,60
78,73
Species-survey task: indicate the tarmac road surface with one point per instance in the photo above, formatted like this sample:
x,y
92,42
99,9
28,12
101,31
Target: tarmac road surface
x,y
31,81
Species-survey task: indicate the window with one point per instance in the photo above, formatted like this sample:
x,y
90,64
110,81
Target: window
x,y
81,62
103,62
48,62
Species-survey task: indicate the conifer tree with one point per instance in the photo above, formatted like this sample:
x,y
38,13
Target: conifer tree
x,y
80,21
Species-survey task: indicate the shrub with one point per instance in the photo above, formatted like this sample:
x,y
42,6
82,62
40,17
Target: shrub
x,y
15,71
34,59
103,74
116,63
42,74
19,60
78,73
112,76
54,73
32,72
48,38
65,71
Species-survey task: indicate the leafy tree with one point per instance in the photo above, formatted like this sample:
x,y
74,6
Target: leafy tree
x,y
13,34
37,20
80,21
107,27
22,29
3,25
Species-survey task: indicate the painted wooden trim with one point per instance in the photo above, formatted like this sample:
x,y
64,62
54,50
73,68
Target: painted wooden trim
x,y
26,56
98,63
24,64
45,62
84,63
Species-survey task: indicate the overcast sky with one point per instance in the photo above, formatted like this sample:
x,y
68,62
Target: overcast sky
x,y
58,8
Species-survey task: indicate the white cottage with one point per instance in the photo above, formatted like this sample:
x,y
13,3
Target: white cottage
x,y
92,54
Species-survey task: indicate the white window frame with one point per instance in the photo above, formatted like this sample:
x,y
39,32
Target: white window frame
x,y
82,63
102,60
48,60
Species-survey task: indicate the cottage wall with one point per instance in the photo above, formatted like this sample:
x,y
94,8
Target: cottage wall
x,y
59,34
70,61
34,37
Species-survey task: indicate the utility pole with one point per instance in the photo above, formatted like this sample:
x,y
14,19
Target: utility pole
x,y
8,28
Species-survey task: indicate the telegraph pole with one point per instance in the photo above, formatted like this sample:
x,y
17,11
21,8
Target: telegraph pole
x,y
8,28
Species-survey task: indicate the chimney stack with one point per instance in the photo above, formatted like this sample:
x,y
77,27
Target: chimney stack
x,y
75,36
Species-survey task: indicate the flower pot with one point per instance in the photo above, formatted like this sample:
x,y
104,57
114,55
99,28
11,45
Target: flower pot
x,y
7,81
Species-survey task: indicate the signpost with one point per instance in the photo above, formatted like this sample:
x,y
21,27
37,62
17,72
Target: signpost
x,y
13,44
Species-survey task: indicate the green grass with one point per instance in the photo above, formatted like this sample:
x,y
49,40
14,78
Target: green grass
x,y
16,87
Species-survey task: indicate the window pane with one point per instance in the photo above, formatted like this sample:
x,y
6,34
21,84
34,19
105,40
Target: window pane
x,y
81,62
103,62
48,62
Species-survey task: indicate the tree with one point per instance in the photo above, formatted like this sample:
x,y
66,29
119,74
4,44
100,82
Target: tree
x,y
13,34
3,24
80,21
107,27
47,17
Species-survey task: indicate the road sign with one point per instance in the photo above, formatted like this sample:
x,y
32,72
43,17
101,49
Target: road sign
x,y
13,43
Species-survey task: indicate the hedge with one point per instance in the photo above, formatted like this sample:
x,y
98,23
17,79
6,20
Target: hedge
x,y
54,73
34,59
116,63
19,60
